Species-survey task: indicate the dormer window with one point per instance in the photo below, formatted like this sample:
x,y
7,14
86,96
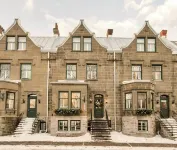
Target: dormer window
x,y
151,45
140,44
87,44
76,43
21,43
10,43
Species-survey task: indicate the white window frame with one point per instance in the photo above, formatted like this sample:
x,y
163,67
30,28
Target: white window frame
x,y
128,101
91,72
6,72
11,45
136,74
87,44
23,43
63,125
151,45
77,43
75,125
142,125
140,44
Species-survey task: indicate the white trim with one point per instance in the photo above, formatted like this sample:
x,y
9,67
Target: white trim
x,y
134,81
10,81
80,23
69,82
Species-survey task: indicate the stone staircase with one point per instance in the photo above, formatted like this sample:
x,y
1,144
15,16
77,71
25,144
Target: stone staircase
x,y
100,130
26,126
168,128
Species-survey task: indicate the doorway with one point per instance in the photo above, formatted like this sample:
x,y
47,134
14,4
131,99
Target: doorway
x,y
98,106
32,106
164,106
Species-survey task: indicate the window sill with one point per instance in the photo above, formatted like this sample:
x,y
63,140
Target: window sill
x,y
157,80
81,51
16,50
145,52
25,79
91,80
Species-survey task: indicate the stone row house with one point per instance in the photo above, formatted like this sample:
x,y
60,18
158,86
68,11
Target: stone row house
x,y
66,81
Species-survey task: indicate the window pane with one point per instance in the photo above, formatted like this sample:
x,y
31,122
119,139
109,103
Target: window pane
x,y
10,100
63,94
10,39
26,71
91,71
157,72
22,39
4,71
140,40
71,72
63,100
152,41
75,100
76,39
75,125
76,46
87,40
141,100
128,101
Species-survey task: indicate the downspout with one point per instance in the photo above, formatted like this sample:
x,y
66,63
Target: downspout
x,y
48,69
115,91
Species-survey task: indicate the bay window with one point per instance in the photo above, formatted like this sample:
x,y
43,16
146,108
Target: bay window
x,y
63,100
142,100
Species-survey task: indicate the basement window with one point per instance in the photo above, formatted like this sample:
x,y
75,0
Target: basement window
x,y
142,125
62,125
75,125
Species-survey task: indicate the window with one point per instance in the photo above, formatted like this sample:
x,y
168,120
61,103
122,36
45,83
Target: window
x,y
142,125
10,100
75,125
157,72
22,43
136,72
62,125
91,72
87,44
151,45
11,43
140,44
76,43
63,99
128,101
75,100
141,100
4,71
71,71
25,71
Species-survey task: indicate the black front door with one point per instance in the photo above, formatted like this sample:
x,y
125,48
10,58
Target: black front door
x,y
98,106
164,106
32,106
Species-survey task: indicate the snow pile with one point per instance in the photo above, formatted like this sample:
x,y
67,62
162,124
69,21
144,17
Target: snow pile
x,y
46,137
118,137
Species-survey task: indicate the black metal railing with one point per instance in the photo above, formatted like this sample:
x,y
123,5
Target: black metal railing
x,y
19,118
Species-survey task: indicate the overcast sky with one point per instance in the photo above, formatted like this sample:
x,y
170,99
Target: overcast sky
x,y
126,17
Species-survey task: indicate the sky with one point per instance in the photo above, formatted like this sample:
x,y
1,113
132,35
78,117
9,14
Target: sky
x,y
126,17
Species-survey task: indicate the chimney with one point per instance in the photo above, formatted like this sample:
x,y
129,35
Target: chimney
x,y
163,33
1,30
55,30
109,32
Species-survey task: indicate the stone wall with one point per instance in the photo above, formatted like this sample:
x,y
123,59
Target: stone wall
x,y
130,125
7,125
54,125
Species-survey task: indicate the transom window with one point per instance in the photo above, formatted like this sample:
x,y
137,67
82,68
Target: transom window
x,y
63,99
76,43
142,125
151,45
21,43
87,44
62,125
71,71
10,100
11,43
75,100
128,101
157,72
136,72
91,71
25,71
142,98
4,71
140,44
75,125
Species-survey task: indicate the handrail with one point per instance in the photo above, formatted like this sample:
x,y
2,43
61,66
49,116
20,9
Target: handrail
x,y
19,118
161,114
91,115
107,118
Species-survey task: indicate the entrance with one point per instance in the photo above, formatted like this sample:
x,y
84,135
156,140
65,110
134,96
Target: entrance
x,y
32,106
164,106
98,106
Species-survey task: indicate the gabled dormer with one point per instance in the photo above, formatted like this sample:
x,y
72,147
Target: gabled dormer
x,y
15,38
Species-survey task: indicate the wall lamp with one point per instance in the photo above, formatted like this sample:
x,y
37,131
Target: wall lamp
x,y
23,101
84,99
39,101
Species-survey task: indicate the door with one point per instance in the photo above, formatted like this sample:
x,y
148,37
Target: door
x,y
98,106
164,106
32,106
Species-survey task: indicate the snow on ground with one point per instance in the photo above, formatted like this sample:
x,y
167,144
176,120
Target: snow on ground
x,y
46,137
41,147
118,137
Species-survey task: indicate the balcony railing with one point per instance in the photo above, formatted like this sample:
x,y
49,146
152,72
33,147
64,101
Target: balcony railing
x,y
67,112
138,112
